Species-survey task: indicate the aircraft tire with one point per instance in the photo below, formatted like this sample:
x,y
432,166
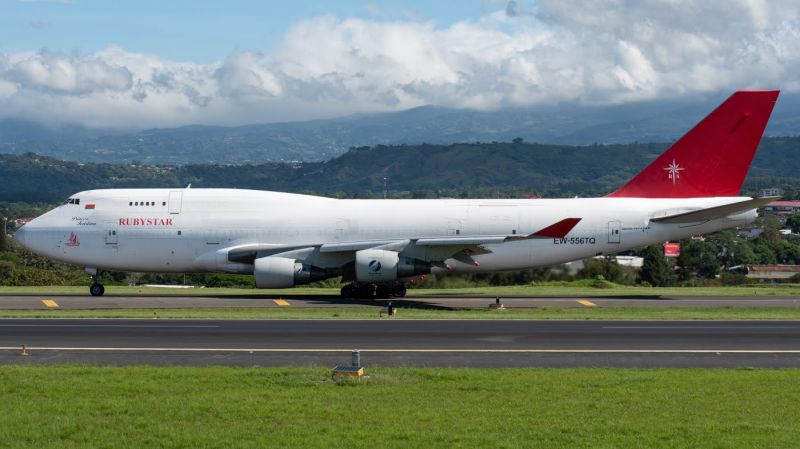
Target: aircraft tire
x,y
347,291
383,292
399,291
364,291
97,290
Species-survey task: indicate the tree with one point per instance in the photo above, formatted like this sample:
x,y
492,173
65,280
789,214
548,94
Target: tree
x,y
794,223
698,259
743,254
610,270
655,267
3,238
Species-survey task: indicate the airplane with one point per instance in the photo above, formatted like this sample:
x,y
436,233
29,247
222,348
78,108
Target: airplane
x,y
377,246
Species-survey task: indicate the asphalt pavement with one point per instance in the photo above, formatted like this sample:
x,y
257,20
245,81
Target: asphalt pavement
x,y
426,301
391,342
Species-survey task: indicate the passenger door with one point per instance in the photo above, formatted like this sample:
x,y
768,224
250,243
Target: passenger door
x,y
111,236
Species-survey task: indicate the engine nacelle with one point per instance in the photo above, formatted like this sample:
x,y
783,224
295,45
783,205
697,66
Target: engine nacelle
x,y
280,272
381,266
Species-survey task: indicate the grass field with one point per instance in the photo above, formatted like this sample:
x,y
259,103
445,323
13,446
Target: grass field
x,y
577,289
540,313
78,406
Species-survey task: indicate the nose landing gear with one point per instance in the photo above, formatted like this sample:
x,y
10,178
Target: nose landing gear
x,y
96,289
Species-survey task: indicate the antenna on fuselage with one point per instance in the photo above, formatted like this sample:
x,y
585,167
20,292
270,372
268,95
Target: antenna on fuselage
x,y
189,186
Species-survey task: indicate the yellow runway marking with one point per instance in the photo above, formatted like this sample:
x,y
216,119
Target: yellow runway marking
x,y
281,302
50,304
586,302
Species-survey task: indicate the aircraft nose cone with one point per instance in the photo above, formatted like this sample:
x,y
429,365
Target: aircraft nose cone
x,y
20,236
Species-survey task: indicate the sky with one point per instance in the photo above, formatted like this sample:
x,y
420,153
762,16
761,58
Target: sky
x,y
144,64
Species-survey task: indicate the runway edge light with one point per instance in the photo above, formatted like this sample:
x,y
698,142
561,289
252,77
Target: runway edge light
x,y
354,370
497,304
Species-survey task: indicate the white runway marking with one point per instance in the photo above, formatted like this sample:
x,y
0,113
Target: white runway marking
x,y
701,327
343,350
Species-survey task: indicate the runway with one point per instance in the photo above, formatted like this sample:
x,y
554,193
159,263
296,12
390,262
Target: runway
x,y
21,302
477,343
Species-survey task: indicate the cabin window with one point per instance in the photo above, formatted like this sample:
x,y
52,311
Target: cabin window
x,y
179,232
137,203
163,203
130,204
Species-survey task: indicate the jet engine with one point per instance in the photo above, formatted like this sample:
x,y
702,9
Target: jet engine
x,y
380,266
280,272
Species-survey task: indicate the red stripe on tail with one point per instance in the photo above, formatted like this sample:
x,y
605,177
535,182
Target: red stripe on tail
x,y
713,158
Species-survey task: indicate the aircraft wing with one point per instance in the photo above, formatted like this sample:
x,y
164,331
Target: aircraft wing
x,y
440,248
556,230
711,213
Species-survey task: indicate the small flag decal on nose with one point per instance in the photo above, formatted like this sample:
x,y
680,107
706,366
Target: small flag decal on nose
x,y
89,206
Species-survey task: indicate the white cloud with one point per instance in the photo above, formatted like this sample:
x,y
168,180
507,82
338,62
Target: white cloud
x,y
588,51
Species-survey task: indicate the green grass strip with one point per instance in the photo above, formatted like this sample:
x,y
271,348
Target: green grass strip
x,y
64,407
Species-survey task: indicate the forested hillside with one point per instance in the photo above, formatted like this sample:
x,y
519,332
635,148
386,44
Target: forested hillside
x,y
475,169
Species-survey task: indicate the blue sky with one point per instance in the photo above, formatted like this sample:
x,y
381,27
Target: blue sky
x,y
193,30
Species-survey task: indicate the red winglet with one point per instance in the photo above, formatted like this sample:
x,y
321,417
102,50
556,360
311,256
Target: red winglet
x,y
559,229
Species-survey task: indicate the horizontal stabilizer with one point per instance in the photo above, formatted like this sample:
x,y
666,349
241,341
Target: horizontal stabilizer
x,y
711,213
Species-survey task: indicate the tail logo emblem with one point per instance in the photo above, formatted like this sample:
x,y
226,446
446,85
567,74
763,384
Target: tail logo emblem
x,y
674,171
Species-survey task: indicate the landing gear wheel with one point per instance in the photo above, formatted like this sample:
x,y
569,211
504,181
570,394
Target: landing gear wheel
x,y
364,291
399,290
97,290
383,291
347,291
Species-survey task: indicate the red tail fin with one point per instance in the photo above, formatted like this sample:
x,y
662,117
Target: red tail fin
x,y
713,158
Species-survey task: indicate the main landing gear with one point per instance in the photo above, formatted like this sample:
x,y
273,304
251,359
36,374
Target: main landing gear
x,y
96,289
372,291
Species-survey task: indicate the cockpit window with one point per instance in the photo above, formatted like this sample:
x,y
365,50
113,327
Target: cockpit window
x,y
73,201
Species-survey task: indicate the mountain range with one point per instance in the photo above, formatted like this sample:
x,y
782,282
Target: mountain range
x,y
320,140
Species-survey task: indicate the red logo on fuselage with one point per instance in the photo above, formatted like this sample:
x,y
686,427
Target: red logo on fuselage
x,y
145,221
73,240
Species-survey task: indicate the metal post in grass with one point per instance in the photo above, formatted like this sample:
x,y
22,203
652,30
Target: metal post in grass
x,y
497,304
354,371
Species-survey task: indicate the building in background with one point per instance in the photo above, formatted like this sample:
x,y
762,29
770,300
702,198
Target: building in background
x,y
767,273
783,208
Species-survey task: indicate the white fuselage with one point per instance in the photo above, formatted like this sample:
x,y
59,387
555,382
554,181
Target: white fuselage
x,y
191,230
